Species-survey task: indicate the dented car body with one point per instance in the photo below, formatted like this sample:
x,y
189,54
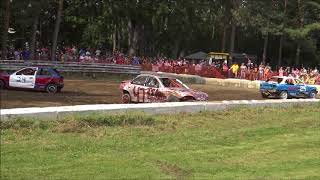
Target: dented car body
x,y
286,87
151,88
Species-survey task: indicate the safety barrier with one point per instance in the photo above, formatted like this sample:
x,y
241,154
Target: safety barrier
x,y
155,108
240,83
204,71
11,65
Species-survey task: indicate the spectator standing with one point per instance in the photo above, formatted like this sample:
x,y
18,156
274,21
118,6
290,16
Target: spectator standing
x,y
25,54
281,71
17,55
225,69
135,60
260,71
234,70
243,70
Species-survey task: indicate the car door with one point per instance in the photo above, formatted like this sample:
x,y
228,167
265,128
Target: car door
x,y
43,77
138,89
152,90
24,78
292,88
301,88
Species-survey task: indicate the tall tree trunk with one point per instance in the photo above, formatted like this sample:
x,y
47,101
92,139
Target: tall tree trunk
x,y
282,35
133,36
130,34
114,39
175,48
213,32
280,50
34,36
223,42
135,40
265,48
301,22
4,33
118,38
298,52
56,30
233,37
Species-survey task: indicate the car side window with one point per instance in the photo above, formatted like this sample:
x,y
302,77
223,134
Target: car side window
x,y
141,80
27,71
44,72
290,82
152,82
297,81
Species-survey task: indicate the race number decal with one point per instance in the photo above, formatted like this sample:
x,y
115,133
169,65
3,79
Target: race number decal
x,y
303,89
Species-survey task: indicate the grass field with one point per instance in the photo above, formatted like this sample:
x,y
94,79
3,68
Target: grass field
x,y
241,143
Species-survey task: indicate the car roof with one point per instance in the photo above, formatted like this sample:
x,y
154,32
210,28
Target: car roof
x,y
279,76
156,76
284,77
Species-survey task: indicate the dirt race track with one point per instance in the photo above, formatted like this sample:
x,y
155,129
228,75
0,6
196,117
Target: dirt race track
x,y
78,92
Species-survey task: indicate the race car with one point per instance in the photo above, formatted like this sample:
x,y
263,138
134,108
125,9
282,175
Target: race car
x,y
286,87
147,88
37,78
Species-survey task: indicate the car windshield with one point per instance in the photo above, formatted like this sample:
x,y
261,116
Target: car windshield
x,y
275,79
173,83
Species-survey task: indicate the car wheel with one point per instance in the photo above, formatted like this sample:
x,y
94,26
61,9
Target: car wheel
x,y
312,95
283,95
126,98
173,99
52,88
264,95
2,84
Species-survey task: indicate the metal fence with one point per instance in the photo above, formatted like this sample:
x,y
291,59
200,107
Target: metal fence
x,y
11,65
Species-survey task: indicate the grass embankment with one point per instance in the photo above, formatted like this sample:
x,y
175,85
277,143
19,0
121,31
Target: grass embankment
x,y
241,143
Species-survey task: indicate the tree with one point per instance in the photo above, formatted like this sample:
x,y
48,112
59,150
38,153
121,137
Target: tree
x,y
56,30
282,37
304,23
4,33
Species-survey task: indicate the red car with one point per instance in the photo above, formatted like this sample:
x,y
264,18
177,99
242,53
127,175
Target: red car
x,y
150,88
37,78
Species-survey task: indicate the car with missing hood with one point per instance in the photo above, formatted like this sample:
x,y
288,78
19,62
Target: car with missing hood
x,y
33,78
286,87
147,88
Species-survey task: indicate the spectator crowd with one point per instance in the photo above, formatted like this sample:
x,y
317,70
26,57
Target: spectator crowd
x,y
219,69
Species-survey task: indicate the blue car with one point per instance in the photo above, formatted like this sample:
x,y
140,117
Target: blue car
x,y
286,87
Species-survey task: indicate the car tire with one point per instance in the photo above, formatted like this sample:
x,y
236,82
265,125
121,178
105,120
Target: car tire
x,y
52,88
283,95
2,84
312,95
126,98
264,96
173,99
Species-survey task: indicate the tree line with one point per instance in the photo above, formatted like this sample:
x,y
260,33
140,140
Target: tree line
x,y
281,32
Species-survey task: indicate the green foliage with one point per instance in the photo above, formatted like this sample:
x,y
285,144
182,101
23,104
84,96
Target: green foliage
x,y
169,27
303,33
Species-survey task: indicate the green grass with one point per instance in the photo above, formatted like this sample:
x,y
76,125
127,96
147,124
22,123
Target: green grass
x,y
259,143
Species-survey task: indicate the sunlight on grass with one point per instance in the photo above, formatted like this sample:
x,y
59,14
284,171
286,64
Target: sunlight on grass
x,y
241,143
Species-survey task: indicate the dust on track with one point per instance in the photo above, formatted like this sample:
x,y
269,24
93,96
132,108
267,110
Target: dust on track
x,y
77,92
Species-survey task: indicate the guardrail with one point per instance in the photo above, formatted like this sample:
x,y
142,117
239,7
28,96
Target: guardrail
x,y
11,65
155,108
